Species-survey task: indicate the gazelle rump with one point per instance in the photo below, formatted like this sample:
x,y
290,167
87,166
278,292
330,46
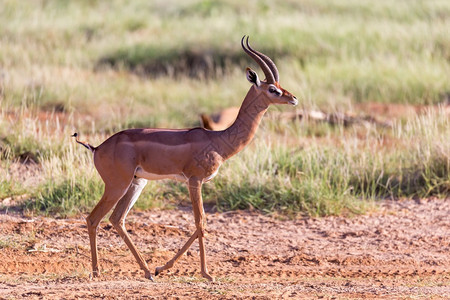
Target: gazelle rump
x,y
221,120
126,160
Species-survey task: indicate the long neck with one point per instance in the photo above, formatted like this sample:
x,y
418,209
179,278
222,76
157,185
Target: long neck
x,y
238,135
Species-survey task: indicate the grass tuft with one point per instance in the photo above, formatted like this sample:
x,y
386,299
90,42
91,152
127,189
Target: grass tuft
x,y
77,66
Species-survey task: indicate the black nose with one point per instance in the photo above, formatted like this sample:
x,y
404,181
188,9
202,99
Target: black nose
x,y
294,100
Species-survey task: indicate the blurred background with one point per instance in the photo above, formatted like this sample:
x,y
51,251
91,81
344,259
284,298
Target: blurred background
x,y
372,78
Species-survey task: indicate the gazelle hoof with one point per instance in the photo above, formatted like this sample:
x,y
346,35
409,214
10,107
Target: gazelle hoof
x,y
148,275
157,271
207,276
94,274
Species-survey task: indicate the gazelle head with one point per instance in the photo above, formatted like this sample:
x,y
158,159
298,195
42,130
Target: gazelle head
x,y
270,87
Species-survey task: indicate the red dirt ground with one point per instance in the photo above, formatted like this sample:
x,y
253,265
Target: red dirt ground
x,y
400,251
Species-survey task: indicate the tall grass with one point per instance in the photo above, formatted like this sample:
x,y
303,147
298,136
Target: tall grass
x,y
331,175
330,51
97,67
325,178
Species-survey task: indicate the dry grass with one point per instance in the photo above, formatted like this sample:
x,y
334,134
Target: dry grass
x,y
84,66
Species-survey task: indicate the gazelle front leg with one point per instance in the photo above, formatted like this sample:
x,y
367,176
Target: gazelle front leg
x,y
195,193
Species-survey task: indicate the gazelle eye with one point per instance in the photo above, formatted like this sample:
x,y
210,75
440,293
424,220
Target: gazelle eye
x,y
275,91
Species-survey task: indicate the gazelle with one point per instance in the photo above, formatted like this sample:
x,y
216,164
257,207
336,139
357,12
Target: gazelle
x,y
220,121
129,158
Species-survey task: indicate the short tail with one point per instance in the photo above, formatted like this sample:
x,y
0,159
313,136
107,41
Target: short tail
x,y
87,145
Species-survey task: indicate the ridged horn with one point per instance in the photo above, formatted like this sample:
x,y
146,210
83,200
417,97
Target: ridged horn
x,y
268,61
267,71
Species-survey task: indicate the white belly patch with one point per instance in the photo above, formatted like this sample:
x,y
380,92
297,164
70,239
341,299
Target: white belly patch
x,y
152,176
211,176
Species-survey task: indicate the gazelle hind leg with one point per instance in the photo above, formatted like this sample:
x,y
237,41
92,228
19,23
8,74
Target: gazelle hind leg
x,y
110,197
177,256
118,220
185,247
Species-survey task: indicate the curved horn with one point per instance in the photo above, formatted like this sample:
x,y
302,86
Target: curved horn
x,y
269,76
268,61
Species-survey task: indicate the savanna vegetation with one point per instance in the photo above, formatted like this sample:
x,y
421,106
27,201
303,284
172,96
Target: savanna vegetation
x,y
97,67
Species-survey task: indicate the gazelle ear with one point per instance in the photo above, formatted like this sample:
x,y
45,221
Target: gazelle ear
x,y
252,77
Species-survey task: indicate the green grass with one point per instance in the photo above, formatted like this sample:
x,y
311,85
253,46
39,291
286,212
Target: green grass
x,y
97,67
329,179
